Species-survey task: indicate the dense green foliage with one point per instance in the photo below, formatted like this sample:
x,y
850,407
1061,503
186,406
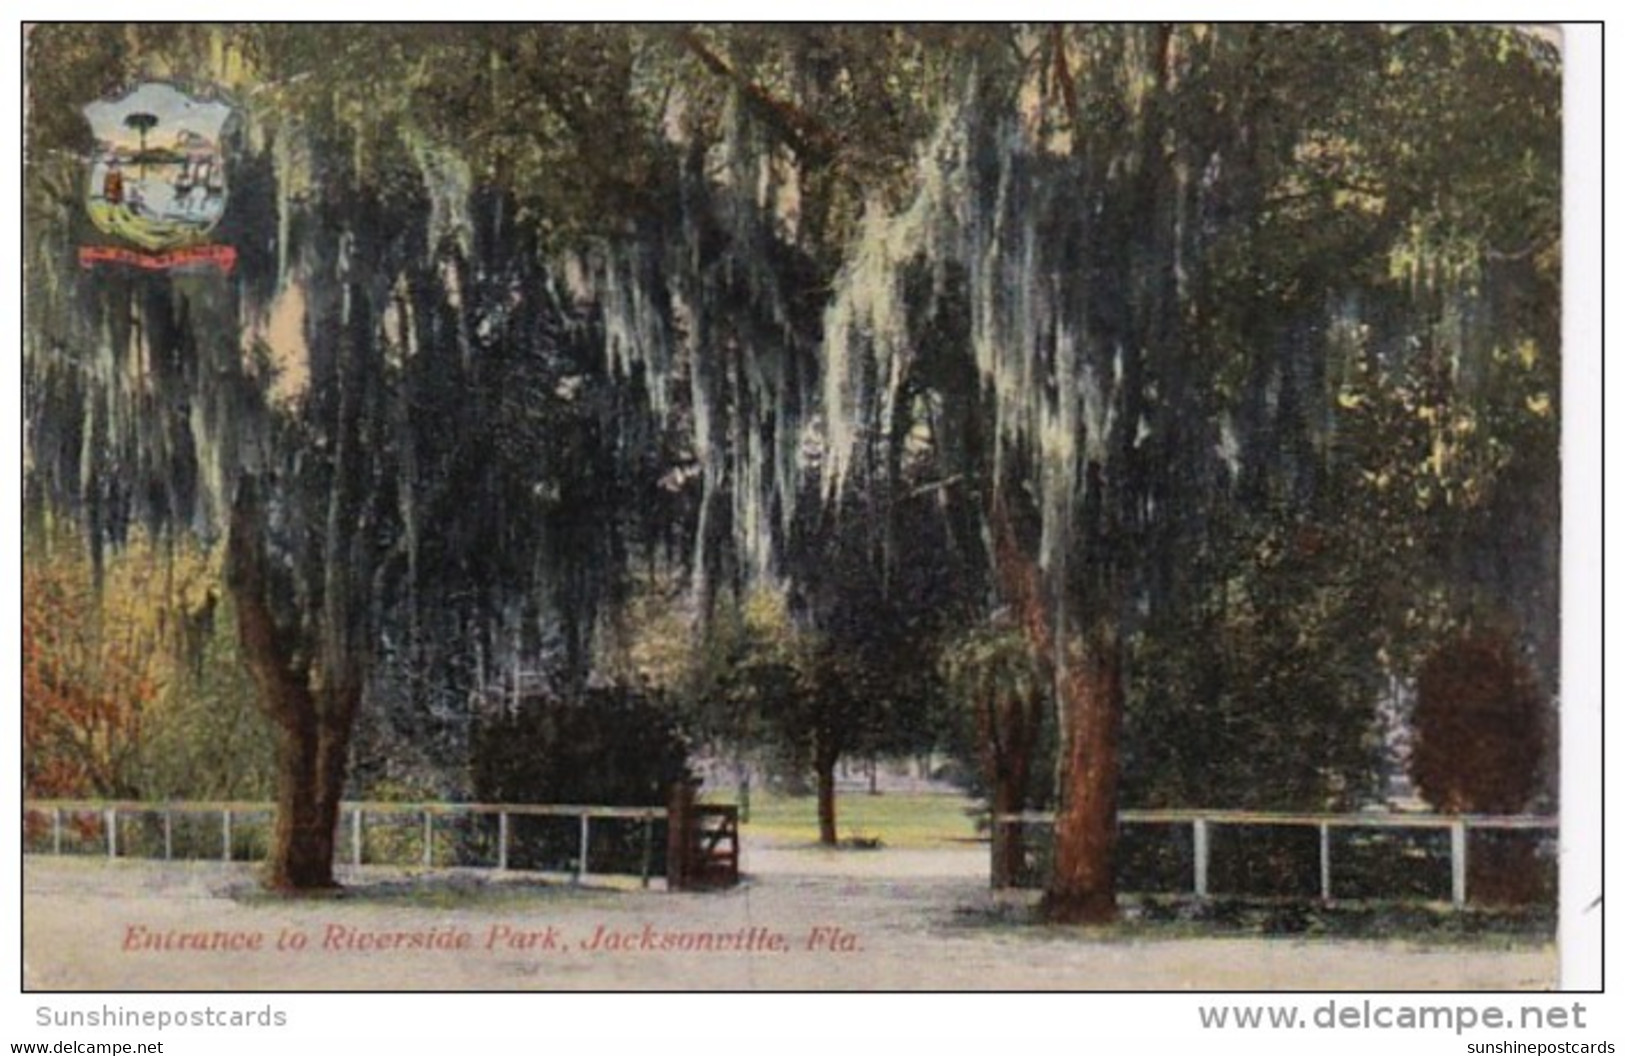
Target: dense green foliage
x,y
1226,356
615,746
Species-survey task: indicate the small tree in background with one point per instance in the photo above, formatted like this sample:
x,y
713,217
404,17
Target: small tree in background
x,y
786,683
989,672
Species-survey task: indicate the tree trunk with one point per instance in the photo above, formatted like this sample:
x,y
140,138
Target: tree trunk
x,y
1009,839
824,766
314,725
1082,889
305,858
1088,678
296,860
1009,762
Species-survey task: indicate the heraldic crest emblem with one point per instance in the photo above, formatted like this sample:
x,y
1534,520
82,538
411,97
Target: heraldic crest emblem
x,y
157,178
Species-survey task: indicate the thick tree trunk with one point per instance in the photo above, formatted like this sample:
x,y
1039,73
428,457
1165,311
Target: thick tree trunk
x,y
313,724
293,862
312,765
1088,679
1082,889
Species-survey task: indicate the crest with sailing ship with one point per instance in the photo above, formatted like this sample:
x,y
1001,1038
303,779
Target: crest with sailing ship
x,y
157,179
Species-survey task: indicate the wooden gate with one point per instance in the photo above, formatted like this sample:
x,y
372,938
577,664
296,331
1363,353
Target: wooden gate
x,y
702,848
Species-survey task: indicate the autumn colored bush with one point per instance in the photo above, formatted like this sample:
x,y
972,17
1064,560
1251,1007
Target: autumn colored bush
x,y
1480,733
132,687
86,681
1481,749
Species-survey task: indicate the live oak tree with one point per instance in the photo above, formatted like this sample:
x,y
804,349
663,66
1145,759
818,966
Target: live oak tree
x,y
1156,246
399,432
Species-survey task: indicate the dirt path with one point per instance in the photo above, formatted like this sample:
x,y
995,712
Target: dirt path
x,y
890,919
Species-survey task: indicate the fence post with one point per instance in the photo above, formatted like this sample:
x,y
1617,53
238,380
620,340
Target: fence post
x,y
112,832
169,835
225,835
648,846
502,839
428,839
581,863
1458,863
1325,862
56,830
679,821
1000,877
358,835
1199,839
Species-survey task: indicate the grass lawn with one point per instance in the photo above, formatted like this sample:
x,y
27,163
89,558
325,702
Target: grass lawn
x,y
1179,918
897,819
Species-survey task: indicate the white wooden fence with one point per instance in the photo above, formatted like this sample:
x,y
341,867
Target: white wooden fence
x,y
109,813
1202,823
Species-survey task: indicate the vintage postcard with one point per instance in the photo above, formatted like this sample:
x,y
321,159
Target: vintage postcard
x,y
793,507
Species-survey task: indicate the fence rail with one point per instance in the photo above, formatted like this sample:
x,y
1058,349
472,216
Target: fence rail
x,y
358,813
1203,823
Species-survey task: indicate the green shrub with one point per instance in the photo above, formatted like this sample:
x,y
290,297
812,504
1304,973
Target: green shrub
x,y
608,746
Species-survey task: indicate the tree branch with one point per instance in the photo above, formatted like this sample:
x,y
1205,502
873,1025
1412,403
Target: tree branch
x,y
1063,76
803,134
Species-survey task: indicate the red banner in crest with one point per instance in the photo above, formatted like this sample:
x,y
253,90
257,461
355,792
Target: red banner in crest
x,y
222,257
